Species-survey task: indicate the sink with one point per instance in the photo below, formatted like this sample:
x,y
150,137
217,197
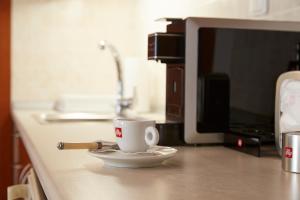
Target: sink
x,y
57,117
72,117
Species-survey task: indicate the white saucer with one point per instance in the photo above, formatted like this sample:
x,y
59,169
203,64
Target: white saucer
x,y
116,158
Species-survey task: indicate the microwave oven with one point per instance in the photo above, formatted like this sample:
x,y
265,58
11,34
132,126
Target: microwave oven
x,y
221,73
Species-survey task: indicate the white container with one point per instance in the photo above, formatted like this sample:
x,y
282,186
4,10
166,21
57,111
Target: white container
x,y
280,127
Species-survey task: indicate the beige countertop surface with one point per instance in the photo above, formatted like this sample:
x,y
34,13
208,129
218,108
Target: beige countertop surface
x,y
211,173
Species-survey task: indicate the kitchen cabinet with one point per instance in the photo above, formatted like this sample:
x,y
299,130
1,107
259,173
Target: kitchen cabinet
x,y
6,155
21,160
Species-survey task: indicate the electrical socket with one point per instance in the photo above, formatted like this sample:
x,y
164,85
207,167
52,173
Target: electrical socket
x,y
258,7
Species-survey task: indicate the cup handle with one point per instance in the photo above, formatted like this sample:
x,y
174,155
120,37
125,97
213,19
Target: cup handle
x,y
151,136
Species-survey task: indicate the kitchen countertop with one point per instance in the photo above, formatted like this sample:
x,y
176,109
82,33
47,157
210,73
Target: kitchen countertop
x,y
206,172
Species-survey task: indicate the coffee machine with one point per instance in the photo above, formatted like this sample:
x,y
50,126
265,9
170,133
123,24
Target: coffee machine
x,y
221,76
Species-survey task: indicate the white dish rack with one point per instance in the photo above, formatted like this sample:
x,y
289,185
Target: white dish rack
x,y
29,189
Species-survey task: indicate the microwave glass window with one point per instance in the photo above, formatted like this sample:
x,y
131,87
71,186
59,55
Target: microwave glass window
x,y
237,73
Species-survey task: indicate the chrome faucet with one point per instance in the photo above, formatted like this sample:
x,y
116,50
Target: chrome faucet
x,y
121,102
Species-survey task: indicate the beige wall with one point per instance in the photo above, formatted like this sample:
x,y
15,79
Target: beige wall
x,y
55,50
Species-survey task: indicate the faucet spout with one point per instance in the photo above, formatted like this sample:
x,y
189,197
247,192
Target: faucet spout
x,y
103,45
121,102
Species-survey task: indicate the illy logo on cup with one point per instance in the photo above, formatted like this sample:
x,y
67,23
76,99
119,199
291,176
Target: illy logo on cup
x,y
118,132
288,152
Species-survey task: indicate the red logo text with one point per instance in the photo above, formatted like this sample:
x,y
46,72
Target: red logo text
x,y
118,132
288,152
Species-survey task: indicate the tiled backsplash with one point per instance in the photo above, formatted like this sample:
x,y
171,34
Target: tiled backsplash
x,y
55,50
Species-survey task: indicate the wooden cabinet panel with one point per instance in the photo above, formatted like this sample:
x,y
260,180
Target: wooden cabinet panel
x,y
5,117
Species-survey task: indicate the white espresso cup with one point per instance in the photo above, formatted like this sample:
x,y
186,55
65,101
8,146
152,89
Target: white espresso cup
x,y
135,135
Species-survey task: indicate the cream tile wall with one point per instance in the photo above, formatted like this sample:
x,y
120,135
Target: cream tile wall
x,y
55,45
54,42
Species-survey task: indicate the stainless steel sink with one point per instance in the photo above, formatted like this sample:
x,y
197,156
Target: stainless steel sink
x,y
72,117
56,117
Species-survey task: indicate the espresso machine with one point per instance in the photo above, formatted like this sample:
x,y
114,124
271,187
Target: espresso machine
x,y
169,48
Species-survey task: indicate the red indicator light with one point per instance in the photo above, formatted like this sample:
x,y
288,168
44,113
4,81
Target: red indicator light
x,y
239,142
